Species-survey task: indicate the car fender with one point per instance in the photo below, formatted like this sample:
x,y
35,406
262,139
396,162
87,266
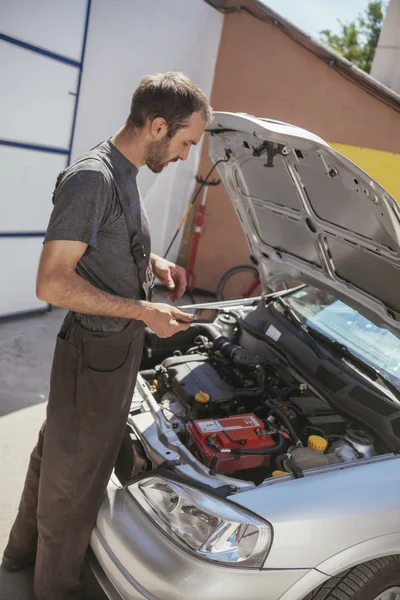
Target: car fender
x,y
385,545
311,581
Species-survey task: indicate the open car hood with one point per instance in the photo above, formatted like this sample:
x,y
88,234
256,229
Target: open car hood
x,y
310,214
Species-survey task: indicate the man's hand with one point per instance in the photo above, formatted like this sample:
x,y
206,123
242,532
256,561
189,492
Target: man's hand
x,y
171,275
165,320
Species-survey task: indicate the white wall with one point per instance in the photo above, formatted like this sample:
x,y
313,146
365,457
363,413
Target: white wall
x,y
127,40
26,185
36,105
55,25
20,257
37,101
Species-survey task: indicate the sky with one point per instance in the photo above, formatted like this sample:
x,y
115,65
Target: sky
x,y
314,15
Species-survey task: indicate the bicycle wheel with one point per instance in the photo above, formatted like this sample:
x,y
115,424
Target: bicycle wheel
x,y
239,282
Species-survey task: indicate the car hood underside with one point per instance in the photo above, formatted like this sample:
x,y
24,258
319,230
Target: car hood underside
x,y
310,214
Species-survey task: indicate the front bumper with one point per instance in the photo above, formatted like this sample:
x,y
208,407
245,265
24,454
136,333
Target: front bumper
x,y
141,562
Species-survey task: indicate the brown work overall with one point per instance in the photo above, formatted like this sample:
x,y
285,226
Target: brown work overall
x,y
92,383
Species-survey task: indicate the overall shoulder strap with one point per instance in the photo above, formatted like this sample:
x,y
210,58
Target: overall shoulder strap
x,y
137,249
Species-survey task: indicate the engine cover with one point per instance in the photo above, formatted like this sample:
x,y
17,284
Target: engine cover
x,y
239,431
193,374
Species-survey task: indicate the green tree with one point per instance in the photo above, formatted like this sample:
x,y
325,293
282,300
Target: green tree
x,y
357,40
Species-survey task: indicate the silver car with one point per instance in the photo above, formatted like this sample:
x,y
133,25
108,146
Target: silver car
x,y
261,459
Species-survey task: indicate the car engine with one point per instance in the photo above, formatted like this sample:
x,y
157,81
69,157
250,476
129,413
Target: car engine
x,y
237,413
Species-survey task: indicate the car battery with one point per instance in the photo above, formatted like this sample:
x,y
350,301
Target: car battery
x,y
212,442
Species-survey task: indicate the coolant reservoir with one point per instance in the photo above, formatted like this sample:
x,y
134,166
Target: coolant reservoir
x,y
308,458
311,457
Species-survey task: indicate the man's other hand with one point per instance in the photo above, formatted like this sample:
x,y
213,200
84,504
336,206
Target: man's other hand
x,y
171,275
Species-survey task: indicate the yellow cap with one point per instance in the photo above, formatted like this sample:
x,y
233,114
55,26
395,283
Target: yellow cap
x,y
316,442
202,397
277,473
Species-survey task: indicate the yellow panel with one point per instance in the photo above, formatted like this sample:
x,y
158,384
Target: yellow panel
x,y
382,166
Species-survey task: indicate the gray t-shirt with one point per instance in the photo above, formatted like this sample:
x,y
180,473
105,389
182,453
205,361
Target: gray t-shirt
x,y
87,209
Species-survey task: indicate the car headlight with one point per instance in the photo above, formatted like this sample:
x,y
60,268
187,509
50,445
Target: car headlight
x,y
210,527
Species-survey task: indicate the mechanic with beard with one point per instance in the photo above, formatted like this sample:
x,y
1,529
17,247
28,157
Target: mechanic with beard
x,y
96,262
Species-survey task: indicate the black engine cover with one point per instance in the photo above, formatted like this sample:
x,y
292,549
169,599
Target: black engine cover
x,y
192,374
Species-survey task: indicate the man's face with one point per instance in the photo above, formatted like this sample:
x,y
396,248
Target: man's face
x,y
161,152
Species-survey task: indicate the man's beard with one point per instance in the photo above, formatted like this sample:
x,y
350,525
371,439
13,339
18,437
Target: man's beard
x,y
157,154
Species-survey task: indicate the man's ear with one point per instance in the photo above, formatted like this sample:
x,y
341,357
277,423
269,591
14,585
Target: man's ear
x,y
158,127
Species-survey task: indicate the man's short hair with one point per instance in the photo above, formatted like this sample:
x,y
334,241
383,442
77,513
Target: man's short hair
x,y
172,96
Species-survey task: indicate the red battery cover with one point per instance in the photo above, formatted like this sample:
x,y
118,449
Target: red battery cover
x,y
227,433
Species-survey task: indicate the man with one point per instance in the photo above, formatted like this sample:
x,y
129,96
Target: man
x,y
96,262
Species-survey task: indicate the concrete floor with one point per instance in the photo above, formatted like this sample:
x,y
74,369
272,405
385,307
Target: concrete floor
x,y
26,349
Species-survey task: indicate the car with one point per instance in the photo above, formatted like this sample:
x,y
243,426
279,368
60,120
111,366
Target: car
x,y
261,458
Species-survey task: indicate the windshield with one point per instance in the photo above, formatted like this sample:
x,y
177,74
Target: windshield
x,y
377,347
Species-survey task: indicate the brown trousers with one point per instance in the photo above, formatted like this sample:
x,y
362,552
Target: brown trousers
x,y
92,382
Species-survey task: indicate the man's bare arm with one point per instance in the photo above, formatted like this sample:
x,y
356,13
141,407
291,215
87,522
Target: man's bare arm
x,y
59,284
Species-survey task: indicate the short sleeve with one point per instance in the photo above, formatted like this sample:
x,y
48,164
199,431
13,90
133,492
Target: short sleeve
x,y
81,204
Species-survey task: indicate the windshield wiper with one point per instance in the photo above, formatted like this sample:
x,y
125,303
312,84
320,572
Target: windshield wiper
x,y
314,335
291,316
355,361
344,351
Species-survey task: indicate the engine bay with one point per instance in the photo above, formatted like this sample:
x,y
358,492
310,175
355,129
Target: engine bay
x,y
240,414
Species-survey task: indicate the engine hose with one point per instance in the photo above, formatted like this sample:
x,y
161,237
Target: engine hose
x,y
201,344
261,451
283,418
226,347
315,429
210,330
149,374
